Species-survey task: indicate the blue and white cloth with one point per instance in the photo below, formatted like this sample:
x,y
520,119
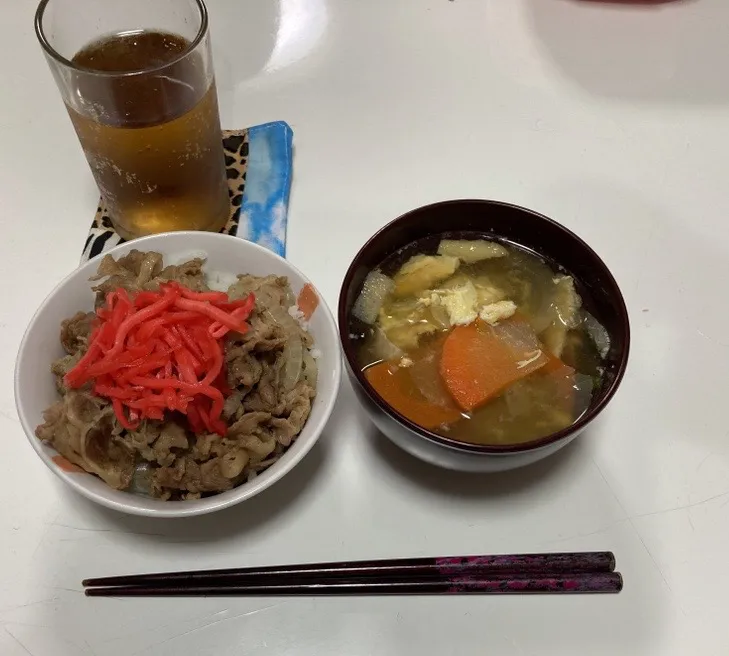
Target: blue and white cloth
x,y
264,209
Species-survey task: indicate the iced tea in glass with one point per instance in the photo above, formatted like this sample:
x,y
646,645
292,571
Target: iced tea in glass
x,y
137,80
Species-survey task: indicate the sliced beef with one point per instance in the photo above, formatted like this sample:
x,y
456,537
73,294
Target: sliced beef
x,y
270,372
189,274
138,271
75,332
187,475
158,441
270,291
297,406
62,366
83,429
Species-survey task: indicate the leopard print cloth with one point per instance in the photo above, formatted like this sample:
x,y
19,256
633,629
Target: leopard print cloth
x,y
102,235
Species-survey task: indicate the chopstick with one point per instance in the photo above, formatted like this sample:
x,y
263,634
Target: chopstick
x,y
484,574
486,565
600,582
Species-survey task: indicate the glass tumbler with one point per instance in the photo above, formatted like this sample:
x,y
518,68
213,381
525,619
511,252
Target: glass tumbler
x,y
137,80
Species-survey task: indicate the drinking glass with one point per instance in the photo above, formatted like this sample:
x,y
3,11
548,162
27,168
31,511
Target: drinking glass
x,y
137,80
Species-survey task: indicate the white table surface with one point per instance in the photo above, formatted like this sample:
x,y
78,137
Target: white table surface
x,y
612,120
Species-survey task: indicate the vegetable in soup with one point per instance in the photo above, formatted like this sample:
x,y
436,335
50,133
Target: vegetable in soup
x,y
478,341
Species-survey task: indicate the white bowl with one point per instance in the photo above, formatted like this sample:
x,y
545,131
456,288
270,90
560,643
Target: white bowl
x,y
227,256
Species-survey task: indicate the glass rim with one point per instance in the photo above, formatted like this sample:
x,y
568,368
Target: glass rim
x,y
58,57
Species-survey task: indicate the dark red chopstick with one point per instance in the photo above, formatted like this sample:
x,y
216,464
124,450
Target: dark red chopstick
x,y
605,582
486,566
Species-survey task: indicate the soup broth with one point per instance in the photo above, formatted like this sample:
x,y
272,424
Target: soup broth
x,y
478,341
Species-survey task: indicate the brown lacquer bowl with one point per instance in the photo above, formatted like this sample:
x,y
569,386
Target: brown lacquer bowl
x,y
508,223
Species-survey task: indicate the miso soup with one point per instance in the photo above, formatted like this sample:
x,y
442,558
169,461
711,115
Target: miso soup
x,y
479,341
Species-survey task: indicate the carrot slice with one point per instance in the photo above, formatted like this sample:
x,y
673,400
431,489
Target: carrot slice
x,y
479,362
396,388
307,301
